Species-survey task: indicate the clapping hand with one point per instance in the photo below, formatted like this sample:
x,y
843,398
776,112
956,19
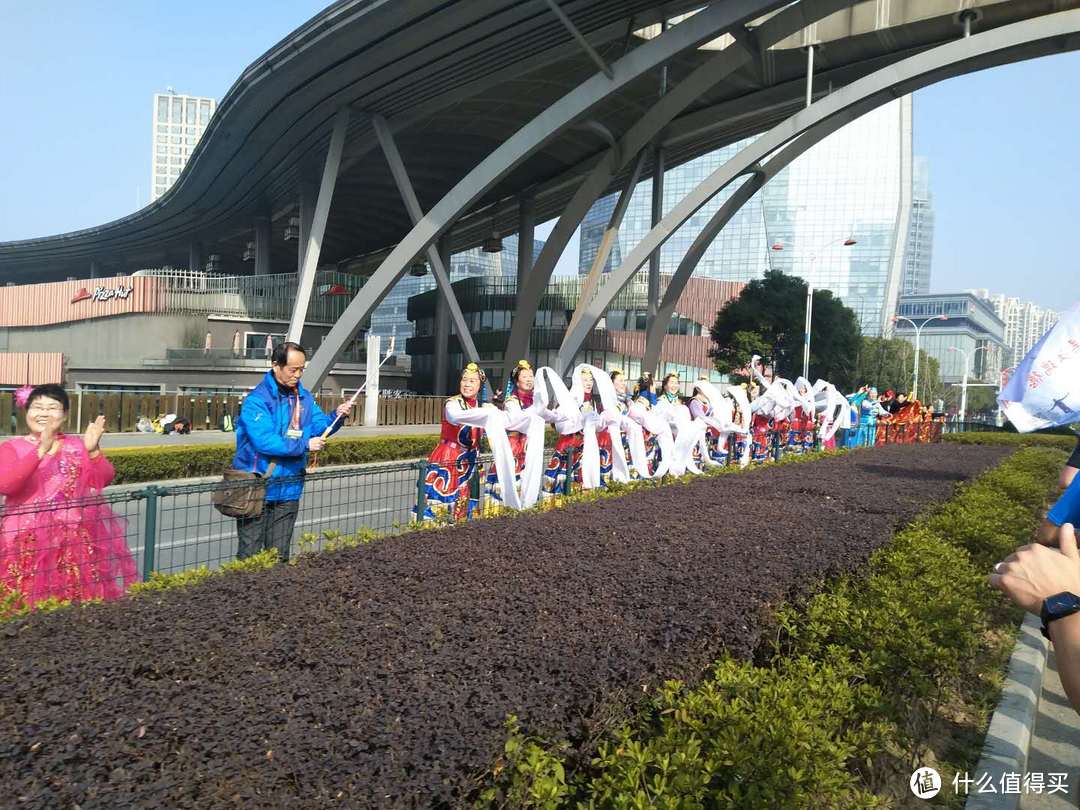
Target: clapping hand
x,y
92,437
46,439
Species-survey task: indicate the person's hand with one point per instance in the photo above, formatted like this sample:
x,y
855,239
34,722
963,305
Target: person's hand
x,y
316,443
1036,571
46,439
344,409
94,431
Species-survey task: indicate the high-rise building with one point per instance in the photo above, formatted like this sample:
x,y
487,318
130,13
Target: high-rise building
x,y
969,326
1025,323
920,238
857,183
179,122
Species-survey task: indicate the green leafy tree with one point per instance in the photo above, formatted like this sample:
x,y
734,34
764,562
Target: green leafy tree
x,y
768,318
890,363
979,399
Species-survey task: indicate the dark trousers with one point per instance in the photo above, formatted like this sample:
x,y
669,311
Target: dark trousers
x,y
272,529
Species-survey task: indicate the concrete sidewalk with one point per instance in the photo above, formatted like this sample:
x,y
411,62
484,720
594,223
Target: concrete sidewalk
x,y
115,440
1032,747
1055,744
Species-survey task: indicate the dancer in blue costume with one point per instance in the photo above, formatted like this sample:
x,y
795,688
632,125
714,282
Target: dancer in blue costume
x,y
865,404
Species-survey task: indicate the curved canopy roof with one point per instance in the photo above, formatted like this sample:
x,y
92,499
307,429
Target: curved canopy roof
x,y
454,79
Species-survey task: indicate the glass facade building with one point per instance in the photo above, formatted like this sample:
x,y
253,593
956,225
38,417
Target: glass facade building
x,y
390,318
972,326
856,183
488,304
920,240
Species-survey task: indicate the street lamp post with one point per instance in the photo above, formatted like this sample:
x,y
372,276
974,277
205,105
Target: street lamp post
x,y
964,384
847,241
918,333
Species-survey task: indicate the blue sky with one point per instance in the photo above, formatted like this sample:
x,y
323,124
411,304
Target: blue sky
x,y
77,80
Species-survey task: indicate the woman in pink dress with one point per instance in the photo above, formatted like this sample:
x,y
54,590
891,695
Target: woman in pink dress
x,y
57,539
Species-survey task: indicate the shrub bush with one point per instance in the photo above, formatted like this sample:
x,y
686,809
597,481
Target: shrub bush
x,y
1059,441
139,464
859,675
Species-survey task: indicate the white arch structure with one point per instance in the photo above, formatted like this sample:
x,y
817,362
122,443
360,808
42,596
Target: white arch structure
x,y
708,24
1052,33
750,46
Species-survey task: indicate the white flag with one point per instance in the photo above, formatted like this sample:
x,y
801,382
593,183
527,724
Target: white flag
x,y
1044,389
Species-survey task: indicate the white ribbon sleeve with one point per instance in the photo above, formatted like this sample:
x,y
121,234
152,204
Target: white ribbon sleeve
x,y
635,438
493,423
611,419
738,393
530,422
656,423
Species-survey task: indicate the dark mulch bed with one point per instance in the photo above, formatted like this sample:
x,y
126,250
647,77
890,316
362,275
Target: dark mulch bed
x,y
382,676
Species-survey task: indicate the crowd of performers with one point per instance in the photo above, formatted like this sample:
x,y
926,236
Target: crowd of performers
x,y
608,430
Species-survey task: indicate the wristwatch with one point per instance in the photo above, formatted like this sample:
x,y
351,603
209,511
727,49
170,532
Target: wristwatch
x,y
1058,606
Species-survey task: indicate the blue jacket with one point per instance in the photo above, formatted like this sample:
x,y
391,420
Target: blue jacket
x,y
1067,508
260,435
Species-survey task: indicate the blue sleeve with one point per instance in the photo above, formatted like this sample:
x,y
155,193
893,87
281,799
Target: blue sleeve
x,y
264,434
1067,508
320,421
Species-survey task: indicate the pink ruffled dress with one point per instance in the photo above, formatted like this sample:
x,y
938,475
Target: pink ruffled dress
x,y
57,538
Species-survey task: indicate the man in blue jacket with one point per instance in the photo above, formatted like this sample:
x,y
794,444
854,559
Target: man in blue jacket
x,y
279,423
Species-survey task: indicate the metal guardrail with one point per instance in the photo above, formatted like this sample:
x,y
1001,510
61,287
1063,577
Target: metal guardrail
x,y
175,528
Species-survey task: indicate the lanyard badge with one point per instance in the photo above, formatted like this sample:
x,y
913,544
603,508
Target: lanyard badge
x,y
294,431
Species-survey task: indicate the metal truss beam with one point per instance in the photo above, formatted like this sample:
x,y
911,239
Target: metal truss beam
x,y
1052,33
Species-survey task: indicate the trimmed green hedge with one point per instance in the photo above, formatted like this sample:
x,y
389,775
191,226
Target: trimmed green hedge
x,y
137,464
860,682
1062,442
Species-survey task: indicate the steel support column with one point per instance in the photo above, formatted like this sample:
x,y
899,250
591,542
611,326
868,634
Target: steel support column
x,y
656,214
438,269
195,257
611,233
712,21
442,330
687,92
988,49
262,245
526,241
312,245
308,200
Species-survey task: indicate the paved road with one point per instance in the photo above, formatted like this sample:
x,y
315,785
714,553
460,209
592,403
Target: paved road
x,y
1055,745
190,532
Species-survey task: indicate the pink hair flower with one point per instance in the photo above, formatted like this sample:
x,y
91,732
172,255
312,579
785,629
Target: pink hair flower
x,y
22,395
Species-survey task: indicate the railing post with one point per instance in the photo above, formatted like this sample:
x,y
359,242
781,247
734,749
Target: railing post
x,y
150,531
421,491
478,485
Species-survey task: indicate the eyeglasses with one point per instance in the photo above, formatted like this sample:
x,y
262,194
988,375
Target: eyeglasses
x,y
46,408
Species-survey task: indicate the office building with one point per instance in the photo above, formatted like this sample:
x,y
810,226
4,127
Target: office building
x,y
179,122
920,239
969,326
857,183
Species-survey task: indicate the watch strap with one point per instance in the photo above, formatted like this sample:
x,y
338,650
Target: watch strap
x,y
1066,605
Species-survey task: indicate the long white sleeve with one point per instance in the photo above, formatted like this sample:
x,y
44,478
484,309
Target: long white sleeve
x,y
493,422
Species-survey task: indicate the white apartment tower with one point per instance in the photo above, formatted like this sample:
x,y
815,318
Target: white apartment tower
x,y
1025,323
179,122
